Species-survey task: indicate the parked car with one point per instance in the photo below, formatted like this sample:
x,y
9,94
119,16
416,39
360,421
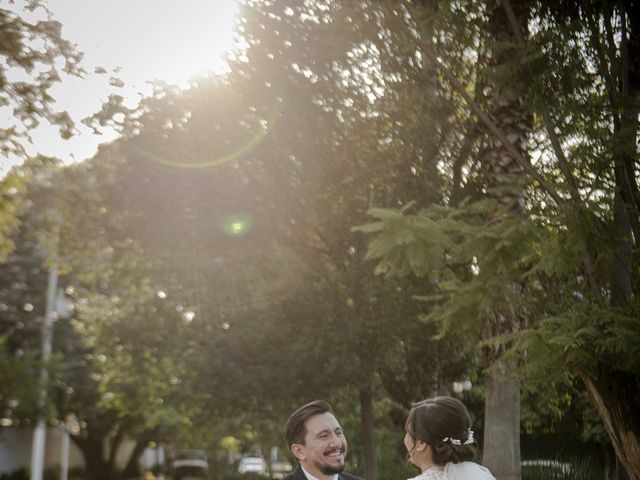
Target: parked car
x,y
255,465
279,470
190,465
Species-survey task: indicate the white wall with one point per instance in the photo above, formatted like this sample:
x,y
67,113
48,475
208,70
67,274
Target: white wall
x,y
15,449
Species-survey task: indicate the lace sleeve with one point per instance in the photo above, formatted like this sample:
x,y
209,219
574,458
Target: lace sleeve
x,y
431,474
467,471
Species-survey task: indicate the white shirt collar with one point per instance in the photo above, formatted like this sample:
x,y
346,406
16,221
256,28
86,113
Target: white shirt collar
x,y
311,477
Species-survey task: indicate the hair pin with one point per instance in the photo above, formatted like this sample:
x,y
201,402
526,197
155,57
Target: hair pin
x,y
454,441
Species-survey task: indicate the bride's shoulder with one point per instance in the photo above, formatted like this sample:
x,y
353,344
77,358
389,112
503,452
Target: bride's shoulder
x,y
431,474
467,471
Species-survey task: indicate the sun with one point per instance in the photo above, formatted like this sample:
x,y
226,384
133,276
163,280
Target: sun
x,y
167,40
126,44
183,39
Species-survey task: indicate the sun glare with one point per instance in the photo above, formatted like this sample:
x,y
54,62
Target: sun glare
x,y
126,44
152,39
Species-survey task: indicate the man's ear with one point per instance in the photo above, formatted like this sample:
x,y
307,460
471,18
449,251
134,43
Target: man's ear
x,y
296,449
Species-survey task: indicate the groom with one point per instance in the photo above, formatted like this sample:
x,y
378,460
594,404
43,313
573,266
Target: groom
x,y
315,438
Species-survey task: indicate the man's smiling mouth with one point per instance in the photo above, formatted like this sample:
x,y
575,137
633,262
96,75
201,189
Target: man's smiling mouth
x,y
335,453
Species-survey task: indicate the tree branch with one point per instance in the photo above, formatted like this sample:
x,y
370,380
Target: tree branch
x,y
611,44
629,121
553,137
463,154
602,64
484,117
563,164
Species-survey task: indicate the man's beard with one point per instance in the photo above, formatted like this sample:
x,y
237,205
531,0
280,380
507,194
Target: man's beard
x,y
330,470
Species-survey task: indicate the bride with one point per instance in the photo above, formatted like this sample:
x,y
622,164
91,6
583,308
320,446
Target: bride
x,y
440,441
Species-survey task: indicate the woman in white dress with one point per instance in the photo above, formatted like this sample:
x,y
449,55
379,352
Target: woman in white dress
x,y
440,441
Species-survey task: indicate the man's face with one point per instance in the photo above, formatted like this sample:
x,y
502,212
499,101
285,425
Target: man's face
x,y
324,448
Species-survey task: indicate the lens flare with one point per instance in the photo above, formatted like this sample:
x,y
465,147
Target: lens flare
x,y
253,141
236,225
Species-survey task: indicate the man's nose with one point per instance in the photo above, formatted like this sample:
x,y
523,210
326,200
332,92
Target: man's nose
x,y
335,440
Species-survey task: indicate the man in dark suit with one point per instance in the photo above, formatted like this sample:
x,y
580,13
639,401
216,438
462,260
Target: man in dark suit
x,y
315,438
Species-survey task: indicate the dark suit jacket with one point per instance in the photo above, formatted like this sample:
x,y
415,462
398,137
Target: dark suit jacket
x,y
298,474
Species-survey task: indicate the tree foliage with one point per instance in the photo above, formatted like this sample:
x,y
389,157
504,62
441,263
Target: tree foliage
x,y
210,250
575,244
33,54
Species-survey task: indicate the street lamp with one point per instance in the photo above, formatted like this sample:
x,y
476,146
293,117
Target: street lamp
x,y
62,308
40,431
56,306
70,425
464,386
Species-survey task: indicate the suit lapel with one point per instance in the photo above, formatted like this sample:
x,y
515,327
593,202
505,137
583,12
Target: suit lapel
x,y
299,474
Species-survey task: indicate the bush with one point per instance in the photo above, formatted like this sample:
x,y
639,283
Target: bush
x,y
21,474
581,468
49,474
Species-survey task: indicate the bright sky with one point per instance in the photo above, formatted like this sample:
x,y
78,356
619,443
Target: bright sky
x,y
136,41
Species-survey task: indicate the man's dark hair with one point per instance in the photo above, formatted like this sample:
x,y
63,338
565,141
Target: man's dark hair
x,y
294,430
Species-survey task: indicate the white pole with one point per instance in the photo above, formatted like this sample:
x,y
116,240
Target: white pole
x,y
64,453
37,450
40,432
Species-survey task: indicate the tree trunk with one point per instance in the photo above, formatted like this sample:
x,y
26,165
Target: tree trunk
x,y
503,174
96,468
616,394
113,451
131,469
502,423
368,440
617,398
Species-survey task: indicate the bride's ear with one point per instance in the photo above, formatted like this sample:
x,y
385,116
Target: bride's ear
x,y
420,446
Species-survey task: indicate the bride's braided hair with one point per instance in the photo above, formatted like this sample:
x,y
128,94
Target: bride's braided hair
x,y
444,424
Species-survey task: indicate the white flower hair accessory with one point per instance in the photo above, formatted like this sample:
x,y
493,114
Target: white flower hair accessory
x,y
454,441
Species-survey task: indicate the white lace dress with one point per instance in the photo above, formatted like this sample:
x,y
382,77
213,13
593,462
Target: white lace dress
x,y
456,471
434,473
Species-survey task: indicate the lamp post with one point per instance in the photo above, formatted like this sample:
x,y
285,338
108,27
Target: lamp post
x,y
40,432
70,425
461,387
55,306
64,453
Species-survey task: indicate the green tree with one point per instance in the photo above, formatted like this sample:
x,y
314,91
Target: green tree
x,y
23,284
115,359
125,354
33,54
575,245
